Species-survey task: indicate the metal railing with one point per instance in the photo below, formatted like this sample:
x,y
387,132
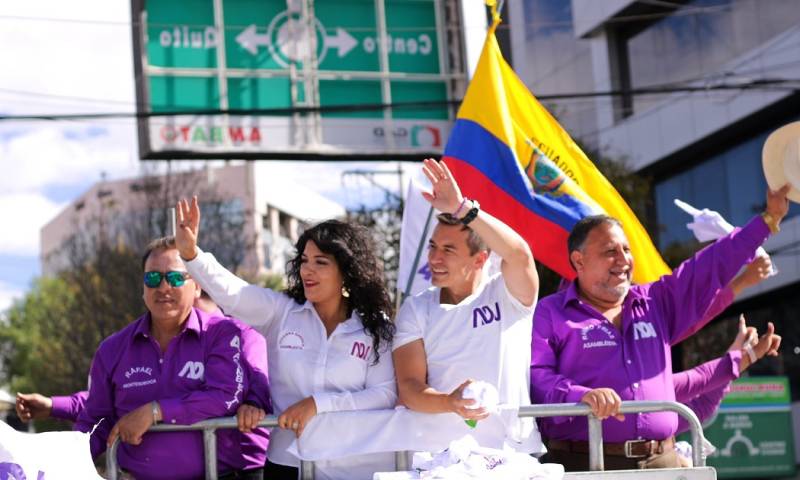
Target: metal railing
x,y
209,428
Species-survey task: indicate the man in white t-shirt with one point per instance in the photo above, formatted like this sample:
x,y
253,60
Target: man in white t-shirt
x,y
469,326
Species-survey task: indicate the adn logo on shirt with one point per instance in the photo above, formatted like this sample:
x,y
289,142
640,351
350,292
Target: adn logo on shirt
x,y
486,315
643,330
192,370
360,350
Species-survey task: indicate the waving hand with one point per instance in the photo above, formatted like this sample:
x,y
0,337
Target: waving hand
x,y
188,228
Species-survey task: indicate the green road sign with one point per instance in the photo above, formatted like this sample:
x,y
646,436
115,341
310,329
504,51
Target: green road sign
x,y
273,54
263,34
752,431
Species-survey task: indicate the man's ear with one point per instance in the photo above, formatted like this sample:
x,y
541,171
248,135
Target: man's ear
x,y
481,258
576,259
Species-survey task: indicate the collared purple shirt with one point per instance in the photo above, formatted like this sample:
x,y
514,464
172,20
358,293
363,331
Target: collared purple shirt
x,y
576,349
702,387
199,376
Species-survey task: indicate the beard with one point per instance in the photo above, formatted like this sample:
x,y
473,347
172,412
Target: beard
x,y
619,290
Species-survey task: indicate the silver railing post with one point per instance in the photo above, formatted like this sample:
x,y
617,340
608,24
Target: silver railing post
x,y
112,471
306,470
596,460
579,409
210,451
401,463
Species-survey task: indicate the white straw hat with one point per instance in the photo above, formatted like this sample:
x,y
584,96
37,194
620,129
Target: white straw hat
x,y
781,159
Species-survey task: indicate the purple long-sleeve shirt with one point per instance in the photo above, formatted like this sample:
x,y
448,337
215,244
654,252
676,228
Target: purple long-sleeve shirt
x,y
199,376
69,407
702,387
576,349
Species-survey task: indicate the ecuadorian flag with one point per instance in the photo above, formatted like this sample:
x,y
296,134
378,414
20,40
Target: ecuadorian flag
x,y
511,155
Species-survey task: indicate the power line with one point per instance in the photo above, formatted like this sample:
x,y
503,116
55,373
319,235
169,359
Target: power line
x,y
790,85
686,10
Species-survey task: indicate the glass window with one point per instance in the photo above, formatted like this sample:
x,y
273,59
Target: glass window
x,y
731,182
696,40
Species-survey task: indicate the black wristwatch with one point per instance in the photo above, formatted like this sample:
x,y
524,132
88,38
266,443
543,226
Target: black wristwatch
x,y
472,213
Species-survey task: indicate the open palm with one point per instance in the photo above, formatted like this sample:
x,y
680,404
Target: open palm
x,y
445,195
188,227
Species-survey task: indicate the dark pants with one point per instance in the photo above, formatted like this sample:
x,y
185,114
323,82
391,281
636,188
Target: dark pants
x,y
252,474
273,471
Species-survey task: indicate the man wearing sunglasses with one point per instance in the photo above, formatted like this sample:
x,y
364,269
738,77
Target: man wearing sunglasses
x,y
176,364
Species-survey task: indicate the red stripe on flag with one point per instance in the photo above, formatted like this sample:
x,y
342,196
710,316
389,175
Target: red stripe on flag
x,y
547,240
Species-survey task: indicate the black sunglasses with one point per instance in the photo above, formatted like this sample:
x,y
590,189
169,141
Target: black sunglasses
x,y
174,278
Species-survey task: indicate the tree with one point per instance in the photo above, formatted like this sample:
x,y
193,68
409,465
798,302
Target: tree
x,y
384,223
224,219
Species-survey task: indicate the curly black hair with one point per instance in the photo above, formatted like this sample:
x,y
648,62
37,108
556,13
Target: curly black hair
x,y
362,274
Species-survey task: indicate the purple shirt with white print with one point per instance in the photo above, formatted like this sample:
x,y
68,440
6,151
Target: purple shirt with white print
x,y
576,349
198,377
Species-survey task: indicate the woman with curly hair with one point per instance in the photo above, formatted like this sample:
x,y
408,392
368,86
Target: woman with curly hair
x,y
328,336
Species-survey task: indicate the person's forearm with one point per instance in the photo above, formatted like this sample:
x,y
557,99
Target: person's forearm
x,y
501,239
423,398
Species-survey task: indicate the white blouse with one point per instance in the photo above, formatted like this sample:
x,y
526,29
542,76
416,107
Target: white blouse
x,y
337,371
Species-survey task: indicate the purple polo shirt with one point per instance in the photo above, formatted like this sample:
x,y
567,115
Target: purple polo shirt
x,y
576,349
68,408
198,377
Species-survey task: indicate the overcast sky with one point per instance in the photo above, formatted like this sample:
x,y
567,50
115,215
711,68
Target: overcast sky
x,y
75,57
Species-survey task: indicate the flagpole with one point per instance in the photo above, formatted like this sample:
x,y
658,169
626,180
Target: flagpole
x,y
417,256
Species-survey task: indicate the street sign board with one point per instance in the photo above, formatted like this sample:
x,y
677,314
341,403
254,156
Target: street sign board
x,y
292,78
752,431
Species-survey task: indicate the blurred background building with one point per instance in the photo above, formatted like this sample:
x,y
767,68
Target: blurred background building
x,y
273,211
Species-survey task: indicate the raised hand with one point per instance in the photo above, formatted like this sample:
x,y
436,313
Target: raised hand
x,y
769,343
745,336
777,203
754,349
188,227
445,195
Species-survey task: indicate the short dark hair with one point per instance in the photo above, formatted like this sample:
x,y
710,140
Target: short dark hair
x,y
474,241
582,229
163,243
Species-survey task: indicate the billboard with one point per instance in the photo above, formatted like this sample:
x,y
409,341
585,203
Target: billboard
x,y
292,78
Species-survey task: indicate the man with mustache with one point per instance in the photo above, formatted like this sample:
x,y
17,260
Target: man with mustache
x,y
602,340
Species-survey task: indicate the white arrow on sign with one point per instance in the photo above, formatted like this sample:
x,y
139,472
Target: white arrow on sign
x,y
342,40
250,40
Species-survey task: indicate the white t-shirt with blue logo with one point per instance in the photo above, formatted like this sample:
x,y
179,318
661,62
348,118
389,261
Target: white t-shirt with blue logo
x,y
487,337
